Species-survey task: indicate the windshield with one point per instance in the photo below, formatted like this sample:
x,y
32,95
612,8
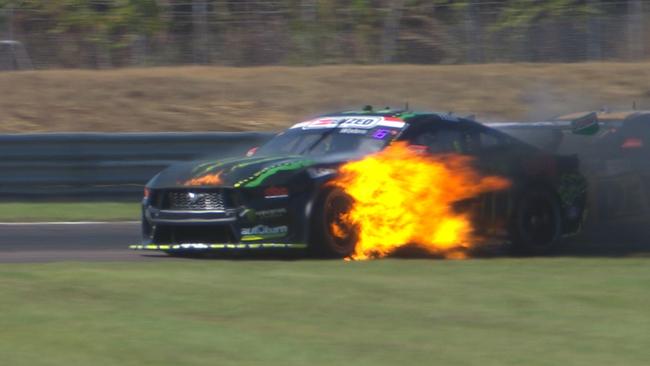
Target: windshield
x,y
329,141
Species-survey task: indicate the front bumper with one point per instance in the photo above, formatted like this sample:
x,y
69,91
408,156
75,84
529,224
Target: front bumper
x,y
157,216
241,224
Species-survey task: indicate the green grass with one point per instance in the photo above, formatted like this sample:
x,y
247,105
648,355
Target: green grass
x,y
408,312
69,211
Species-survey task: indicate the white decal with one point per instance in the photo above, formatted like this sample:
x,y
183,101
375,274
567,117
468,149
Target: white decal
x,y
356,131
264,230
362,122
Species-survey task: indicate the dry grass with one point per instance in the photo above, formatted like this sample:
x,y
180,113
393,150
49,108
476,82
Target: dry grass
x,y
267,98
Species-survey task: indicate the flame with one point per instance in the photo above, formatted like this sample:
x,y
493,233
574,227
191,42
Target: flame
x,y
405,198
209,179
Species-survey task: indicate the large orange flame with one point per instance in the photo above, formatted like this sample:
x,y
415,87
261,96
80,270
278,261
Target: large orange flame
x,y
209,179
405,198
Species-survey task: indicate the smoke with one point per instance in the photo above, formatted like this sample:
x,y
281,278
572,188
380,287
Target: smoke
x,y
544,101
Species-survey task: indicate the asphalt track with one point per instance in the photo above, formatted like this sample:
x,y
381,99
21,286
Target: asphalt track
x,y
48,242
69,242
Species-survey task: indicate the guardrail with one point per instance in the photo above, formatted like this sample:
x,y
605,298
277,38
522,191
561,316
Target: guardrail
x,y
113,166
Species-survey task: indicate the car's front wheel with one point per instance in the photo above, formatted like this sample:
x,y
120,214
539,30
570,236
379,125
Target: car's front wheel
x,y
332,234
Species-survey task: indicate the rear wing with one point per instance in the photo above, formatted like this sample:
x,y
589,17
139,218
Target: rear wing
x,y
549,135
586,124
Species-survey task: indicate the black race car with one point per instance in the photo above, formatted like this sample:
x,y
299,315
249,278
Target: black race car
x,y
277,197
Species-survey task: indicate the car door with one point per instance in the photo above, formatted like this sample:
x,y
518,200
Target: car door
x,y
496,154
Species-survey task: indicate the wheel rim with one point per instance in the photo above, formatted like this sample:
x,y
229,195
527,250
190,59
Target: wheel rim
x,y
539,221
342,234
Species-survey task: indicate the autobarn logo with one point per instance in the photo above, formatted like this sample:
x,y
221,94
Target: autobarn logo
x,y
264,230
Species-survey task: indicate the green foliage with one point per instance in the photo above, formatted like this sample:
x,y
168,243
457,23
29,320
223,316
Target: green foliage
x,y
307,31
117,18
518,13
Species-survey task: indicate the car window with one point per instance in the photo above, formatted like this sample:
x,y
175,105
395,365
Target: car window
x,y
491,141
290,144
328,141
442,140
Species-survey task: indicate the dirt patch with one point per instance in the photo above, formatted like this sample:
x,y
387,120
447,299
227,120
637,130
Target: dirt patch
x,y
270,98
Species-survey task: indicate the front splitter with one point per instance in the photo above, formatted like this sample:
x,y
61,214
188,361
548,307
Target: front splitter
x,y
204,247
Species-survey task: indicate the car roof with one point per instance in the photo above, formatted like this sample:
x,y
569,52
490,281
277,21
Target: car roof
x,y
405,115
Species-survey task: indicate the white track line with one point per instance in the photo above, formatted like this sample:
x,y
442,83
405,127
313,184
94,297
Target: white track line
x,y
67,223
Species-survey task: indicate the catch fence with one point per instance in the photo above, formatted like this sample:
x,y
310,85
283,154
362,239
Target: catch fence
x,y
100,34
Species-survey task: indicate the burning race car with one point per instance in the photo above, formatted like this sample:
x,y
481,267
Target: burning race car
x,y
362,184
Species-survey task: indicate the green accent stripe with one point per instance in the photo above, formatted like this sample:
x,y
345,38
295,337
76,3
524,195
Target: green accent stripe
x,y
262,160
210,166
261,176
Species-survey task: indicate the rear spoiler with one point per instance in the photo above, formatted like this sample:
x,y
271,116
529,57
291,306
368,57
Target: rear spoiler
x,y
549,135
586,124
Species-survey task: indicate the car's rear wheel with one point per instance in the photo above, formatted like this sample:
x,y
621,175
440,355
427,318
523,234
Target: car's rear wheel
x,y
332,234
537,222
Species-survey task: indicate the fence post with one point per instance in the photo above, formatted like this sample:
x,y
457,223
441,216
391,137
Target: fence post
x,y
594,33
473,44
391,31
635,35
200,30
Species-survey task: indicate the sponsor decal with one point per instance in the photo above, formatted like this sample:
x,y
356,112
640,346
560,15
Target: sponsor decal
x,y
264,230
343,122
354,131
272,213
368,122
362,122
276,192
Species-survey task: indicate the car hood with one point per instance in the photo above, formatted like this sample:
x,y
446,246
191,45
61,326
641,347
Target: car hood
x,y
245,172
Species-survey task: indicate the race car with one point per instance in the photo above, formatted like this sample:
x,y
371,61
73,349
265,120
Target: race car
x,y
277,197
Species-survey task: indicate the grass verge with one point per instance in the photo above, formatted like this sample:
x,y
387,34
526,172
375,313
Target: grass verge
x,y
489,312
68,211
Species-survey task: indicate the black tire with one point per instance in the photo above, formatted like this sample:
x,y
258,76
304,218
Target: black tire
x,y
331,236
536,226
